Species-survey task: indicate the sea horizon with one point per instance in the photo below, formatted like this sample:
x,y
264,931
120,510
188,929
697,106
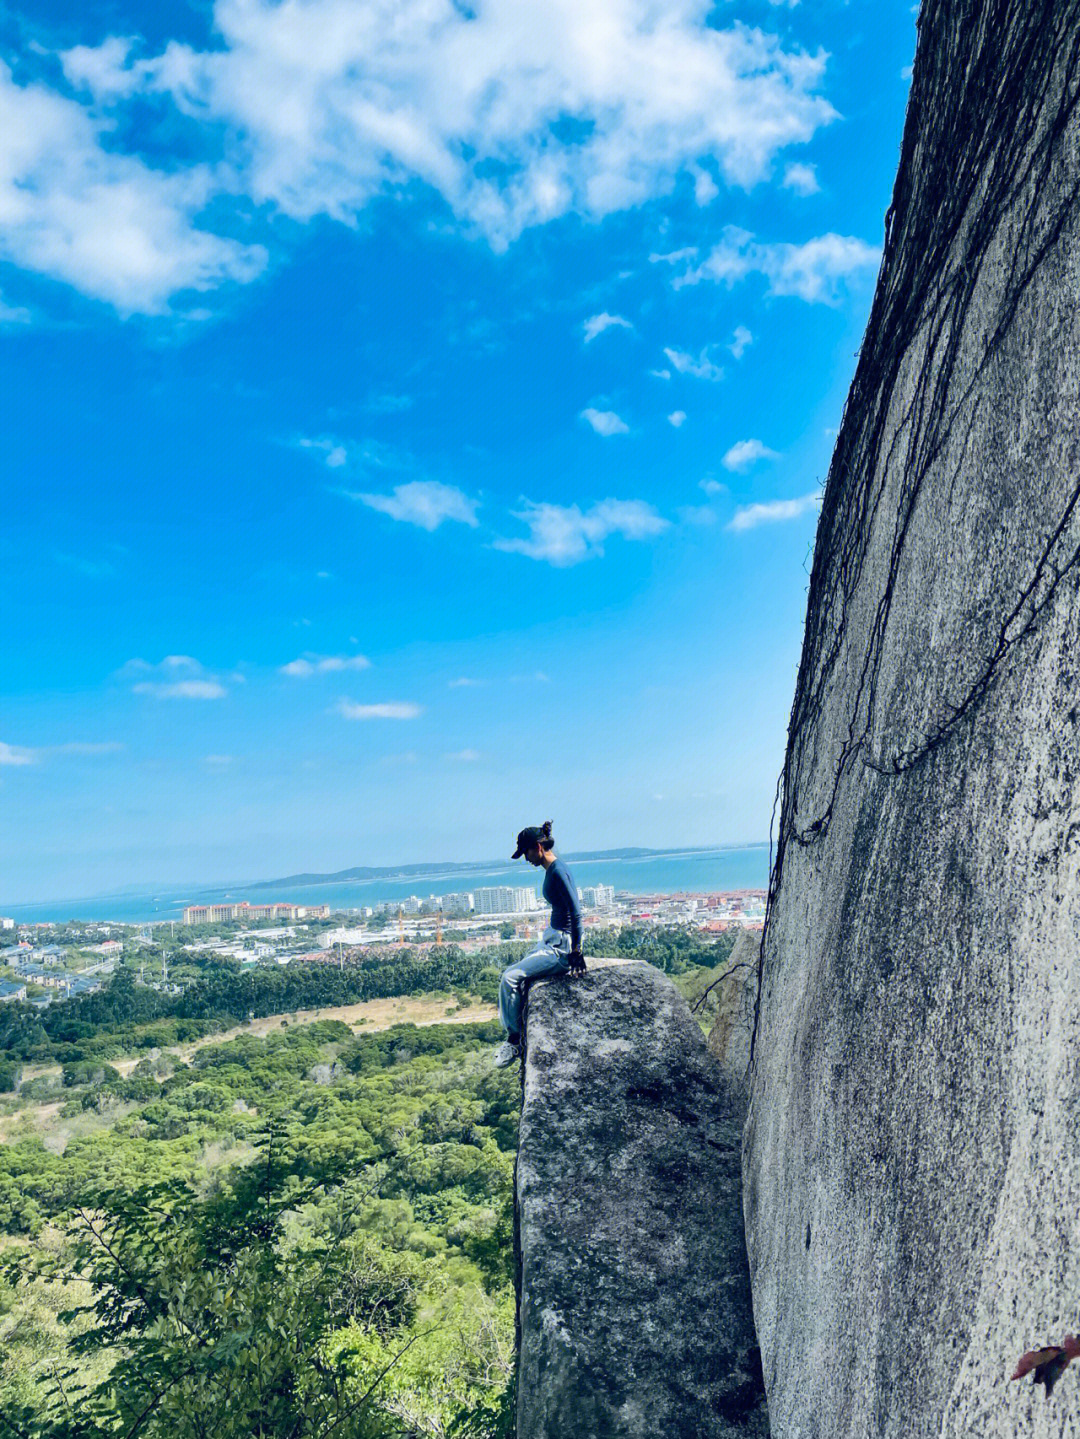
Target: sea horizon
x,y
670,871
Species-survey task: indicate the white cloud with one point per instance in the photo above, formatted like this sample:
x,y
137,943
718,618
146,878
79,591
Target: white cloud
x,y
597,324
219,761
311,664
426,503
661,374
606,422
705,187
83,212
182,690
198,686
13,314
750,516
14,754
19,755
677,418
812,271
564,534
336,454
465,756
674,257
802,179
318,107
703,368
741,341
464,682
713,487
744,453
84,747
403,710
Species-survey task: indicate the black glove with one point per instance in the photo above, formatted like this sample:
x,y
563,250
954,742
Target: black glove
x,y
577,962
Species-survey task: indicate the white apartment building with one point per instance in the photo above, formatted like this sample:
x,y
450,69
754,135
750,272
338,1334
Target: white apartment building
x,y
504,900
598,896
330,937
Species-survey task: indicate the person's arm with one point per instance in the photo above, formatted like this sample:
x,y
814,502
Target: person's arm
x,y
573,908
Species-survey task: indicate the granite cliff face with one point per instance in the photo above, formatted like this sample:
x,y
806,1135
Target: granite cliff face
x,y
733,1027
634,1296
912,1151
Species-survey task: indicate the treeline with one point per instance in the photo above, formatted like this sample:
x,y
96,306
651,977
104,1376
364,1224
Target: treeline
x,y
672,950
124,1014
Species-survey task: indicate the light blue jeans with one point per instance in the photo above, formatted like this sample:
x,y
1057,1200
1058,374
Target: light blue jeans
x,y
551,956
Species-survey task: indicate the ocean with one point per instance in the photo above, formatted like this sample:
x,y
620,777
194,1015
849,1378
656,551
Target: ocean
x,y
668,873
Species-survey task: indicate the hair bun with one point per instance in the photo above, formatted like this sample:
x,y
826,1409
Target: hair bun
x,y
545,829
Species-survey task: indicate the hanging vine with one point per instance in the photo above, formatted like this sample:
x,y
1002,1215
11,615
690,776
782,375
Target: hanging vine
x,y
995,90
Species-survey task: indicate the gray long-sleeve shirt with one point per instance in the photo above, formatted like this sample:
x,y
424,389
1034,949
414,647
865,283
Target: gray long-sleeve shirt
x,y
560,891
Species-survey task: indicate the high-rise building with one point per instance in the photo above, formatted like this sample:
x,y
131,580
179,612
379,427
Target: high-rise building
x,y
504,900
598,896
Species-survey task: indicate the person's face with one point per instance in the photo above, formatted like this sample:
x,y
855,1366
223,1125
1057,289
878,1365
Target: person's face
x,y
533,855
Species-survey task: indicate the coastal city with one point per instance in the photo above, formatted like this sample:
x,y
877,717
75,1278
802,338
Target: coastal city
x,y
50,959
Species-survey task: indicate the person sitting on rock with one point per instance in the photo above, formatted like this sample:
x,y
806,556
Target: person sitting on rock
x,y
559,952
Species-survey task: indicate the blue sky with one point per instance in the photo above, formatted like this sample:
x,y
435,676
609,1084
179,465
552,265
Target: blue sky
x,y
413,416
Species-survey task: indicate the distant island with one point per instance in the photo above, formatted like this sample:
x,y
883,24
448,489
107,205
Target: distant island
x,y
408,871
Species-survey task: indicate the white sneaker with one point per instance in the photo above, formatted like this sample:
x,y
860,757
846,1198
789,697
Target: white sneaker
x,y
506,1054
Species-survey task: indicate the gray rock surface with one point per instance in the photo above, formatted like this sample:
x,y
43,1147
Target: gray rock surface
x,y
633,1292
912,1152
733,1027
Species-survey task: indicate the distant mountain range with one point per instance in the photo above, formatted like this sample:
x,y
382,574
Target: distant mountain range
x,y
407,871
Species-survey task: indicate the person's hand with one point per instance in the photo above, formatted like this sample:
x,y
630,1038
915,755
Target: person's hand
x,y
577,962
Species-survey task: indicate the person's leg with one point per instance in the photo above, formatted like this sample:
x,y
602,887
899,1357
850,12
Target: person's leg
x,y
543,960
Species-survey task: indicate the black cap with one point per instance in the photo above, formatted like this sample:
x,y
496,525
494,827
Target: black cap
x,y
528,839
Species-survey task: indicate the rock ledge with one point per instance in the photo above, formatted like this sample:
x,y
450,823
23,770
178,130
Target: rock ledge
x,y
634,1294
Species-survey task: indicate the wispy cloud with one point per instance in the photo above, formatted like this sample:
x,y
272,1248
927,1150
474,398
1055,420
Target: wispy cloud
x,y
741,341
465,682
813,271
312,664
426,503
565,535
13,314
802,179
597,324
465,756
749,517
89,567
677,418
333,451
675,257
15,754
713,487
182,690
702,367
403,710
197,684
219,761
605,422
745,453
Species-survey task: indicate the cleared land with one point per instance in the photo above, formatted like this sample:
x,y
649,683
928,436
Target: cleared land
x,y
368,1017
